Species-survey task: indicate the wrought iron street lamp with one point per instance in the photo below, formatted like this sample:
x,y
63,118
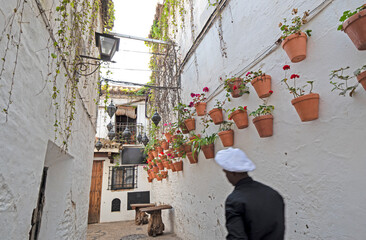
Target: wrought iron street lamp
x,y
111,109
156,118
98,145
107,44
145,139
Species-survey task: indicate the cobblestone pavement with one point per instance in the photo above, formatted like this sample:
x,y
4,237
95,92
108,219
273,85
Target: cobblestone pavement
x,y
123,231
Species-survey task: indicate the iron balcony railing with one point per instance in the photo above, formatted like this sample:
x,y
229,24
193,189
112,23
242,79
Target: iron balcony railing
x,y
135,129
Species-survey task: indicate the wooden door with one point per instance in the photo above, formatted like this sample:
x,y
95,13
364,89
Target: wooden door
x,y
95,192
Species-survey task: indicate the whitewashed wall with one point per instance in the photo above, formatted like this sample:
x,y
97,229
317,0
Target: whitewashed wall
x,y
106,215
27,141
319,167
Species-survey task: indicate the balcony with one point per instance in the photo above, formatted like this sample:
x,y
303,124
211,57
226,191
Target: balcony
x,y
135,130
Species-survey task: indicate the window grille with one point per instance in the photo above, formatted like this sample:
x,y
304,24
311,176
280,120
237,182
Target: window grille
x,y
116,205
123,177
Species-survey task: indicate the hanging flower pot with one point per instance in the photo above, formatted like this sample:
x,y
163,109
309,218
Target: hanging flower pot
x,y
192,159
208,151
307,106
355,27
264,125
149,179
168,136
240,118
165,145
155,169
235,86
190,124
165,164
262,85
172,167
361,78
227,138
158,177
155,153
178,166
200,108
164,174
151,154
216,115
159,149
183,128
187,148
160,166
295,46
150,165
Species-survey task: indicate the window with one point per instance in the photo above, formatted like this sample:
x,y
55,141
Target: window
x,y
137,197
116,205
124,177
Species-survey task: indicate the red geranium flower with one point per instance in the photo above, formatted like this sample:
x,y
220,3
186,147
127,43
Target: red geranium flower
x,y
235,87
286,67
178,131
245,108
270,91
162,153
229,118
294,76
248,73
191,104
193,95
205,89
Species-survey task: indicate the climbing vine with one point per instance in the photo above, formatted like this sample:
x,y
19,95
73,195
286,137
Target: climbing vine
x,y
75,24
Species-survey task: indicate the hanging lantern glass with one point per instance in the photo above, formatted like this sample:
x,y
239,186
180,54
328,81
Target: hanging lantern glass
x,y
111,134
145,139
110,126
111,109
98,145
126,133
156,118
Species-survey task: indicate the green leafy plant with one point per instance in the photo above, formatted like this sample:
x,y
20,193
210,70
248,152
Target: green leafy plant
x,y
197,142
263,109
219,104
348,14
225,126
244,89
230,111
343,86
294,25
295,90
251,75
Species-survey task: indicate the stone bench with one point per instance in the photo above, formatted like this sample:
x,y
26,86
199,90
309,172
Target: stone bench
x,y
156,225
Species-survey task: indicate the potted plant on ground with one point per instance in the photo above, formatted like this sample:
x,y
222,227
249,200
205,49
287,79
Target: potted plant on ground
x,y
216,113
206,144
235,86
261,83
354,24
294,40
306,105
226,134
263,120
240,116
198,102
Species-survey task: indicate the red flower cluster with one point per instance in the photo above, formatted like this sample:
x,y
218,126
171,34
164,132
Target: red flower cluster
x,y
245,108
270,91
293,76
286,67
191,104
178,131
235,87
205,89
248,73
193,95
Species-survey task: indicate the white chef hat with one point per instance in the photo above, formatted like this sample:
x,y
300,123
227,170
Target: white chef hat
x,y
234,160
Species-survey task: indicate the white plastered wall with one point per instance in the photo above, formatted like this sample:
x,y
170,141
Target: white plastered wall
x,y
319,167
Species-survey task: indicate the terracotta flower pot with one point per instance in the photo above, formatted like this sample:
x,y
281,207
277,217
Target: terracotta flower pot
x,y
237,92
153,175
165,163
158,178
208,151
227,138
361,78
262,86
187,148
165,145
264,125
155,154
150,165
160,149
295,46
200,108
355,27
240,118
168,136
160,166
151,154
172,167
155,169
149,179
216,115
178,166
183,128
192,159
307,106
149,172
164,174
190,124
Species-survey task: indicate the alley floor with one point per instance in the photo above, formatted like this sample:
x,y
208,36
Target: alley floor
x,y
123,231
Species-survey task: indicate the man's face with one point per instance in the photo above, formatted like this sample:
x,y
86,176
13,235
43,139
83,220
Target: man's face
x,y
230,177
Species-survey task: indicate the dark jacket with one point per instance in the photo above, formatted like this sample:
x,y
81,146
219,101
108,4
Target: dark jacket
x,y
254,211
